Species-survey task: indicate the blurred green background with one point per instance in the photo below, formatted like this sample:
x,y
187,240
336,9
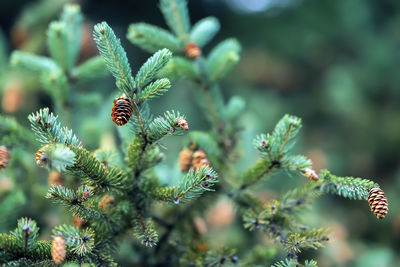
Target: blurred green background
x,y
333,63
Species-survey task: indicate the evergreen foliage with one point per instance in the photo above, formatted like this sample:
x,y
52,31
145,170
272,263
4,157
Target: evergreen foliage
x,y
125,197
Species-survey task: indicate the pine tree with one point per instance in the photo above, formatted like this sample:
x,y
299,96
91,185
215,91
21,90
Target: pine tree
x,y
114,199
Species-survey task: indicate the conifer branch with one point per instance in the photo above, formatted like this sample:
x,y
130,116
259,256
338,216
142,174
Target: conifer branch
x,y
348,187
177,17
151,67
79,242
32,63
170,124
115,57
204,30
152,38
44,124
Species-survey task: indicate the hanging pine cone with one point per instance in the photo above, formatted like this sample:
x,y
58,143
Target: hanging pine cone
x,y
55,178
182,123
4,157
41,157
199,159
378,202
58,249
106,202
310,174
185,160
121,111
192,50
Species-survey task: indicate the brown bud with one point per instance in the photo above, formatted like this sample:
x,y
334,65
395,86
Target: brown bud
x,y
310,174
85,195
41,157
181,122
4,157
19,34
58,252
106,202
12,97
192,50
185,160
199,159
377,202
55,178
78,222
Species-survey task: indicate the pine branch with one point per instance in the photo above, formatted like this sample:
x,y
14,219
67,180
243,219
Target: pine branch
x,y
72,18
73,201
155,89
204,30
348,187
151,67
222,59
77,241
115,57
152,38
94,173
171,124
195,183
32,63
177,17
48,130
58,156
191,187
313,238
145,232
285,263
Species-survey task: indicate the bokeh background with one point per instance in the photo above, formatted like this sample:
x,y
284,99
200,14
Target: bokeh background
x,y
333,63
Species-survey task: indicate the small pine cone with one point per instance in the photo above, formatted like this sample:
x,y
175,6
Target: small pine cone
x,y
185,160
310,174
78,222
121,111
55,178
106,202
4,157
58,252
378,202
192,50
41,157
199,159
181,122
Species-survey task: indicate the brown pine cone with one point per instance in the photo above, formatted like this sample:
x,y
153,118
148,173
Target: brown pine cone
x,y
199,159
55,178
58,252
4,157
185,160
121,111
378,202
192,50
